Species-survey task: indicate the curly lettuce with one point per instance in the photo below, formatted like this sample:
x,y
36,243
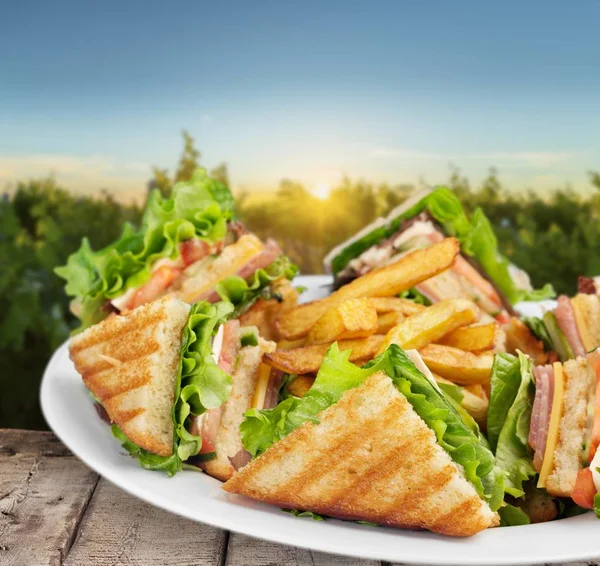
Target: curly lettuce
x,y
262,429
476,236
200,385
509,417
199,208
242,293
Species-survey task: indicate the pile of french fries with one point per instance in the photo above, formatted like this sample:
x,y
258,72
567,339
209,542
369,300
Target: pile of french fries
x,y
366,316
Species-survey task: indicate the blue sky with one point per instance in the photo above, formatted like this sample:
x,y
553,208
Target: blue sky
x,y
98,92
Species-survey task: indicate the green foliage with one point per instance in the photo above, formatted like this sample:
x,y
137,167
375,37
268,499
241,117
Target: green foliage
x,y
555,236
40,224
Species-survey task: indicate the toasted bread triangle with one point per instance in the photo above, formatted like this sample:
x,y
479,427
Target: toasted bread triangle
x,y
130,364
370,458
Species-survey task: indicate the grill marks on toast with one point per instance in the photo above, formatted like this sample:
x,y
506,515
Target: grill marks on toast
x,y
371,458
130,364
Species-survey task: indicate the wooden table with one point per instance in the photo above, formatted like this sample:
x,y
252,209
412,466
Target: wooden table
x,y
54,510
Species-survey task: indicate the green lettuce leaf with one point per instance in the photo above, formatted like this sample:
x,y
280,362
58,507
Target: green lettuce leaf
x,y
243,293
414,296
597,505
504,386
297,513
193,211
200,385
539,330
511,516
557,337
261,429
513,454
476,236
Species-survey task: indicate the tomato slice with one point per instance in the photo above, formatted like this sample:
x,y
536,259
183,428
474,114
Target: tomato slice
x,y
584,490
193,250
594,359
160,281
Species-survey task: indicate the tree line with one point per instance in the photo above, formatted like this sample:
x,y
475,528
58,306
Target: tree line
x,y
555,237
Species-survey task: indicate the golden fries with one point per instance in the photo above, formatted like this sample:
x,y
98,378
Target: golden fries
x,y
290,344
396,304
354,318
386,281
472,338
308,359
431,324
299,386
387,321
458,366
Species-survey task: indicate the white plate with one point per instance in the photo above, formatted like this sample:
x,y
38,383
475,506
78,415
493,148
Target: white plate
x,y
69,412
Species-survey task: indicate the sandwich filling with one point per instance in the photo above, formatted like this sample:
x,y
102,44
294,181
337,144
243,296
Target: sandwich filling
x,y
570,329
200,386
463,280
187,244
486,274
238,351
461,440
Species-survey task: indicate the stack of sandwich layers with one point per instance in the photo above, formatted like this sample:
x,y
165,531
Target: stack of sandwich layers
x,y
194,346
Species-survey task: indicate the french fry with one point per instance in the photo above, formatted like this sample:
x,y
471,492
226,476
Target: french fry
x,y
464,368
388,320
386,281
354,318
519,337
396,304
299,386
472,338
476,406
431,324
290,344
477,389
308,359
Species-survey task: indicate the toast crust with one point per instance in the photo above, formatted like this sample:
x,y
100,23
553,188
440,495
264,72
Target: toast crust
x,y
370,458
130,363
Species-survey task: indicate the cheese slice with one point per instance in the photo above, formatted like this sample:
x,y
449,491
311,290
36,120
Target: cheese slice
x,y
582,324
262,382
555,416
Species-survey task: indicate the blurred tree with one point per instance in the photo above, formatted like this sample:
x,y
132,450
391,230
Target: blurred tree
x,y
189,160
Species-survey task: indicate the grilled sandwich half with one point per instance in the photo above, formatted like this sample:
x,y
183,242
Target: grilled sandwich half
x,y
380,444
175,381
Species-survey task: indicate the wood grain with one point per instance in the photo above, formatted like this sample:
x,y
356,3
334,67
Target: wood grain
x,y
255,552
55,511
117,528
44,491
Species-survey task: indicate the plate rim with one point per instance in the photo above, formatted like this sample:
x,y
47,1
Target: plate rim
x,y
287,536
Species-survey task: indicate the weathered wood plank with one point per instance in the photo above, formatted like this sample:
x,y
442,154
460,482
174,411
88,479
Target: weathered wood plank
x,y
253,552
118,528
44,491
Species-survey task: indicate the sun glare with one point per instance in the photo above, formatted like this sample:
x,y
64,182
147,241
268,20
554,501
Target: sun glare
x,y
321,190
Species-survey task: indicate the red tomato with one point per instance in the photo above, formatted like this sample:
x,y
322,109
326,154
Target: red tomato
x,y
160,281
594,359
193,250
584,490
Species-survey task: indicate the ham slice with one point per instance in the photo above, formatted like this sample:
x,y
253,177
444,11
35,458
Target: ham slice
x,y
541,412
565,318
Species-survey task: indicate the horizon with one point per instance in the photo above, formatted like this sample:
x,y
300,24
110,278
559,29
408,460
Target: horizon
x,y
386,92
